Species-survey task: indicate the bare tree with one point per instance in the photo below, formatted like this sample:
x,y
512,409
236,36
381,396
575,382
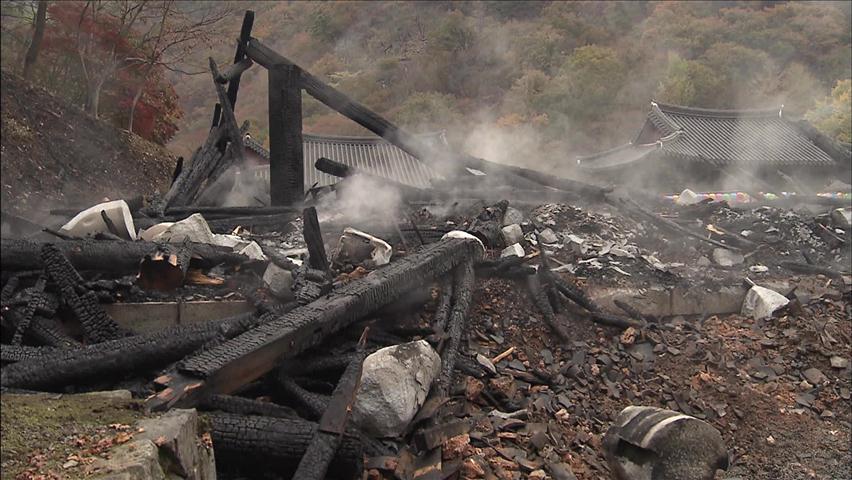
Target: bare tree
x,y
99,59
172,32
38,34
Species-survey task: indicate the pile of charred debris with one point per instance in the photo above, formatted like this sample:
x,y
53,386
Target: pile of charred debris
x,y
494,326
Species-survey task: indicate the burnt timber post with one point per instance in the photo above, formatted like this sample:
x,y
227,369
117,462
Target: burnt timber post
x,y
234,84
286,167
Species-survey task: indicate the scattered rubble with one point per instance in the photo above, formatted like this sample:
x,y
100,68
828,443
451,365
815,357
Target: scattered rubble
x,y
478,337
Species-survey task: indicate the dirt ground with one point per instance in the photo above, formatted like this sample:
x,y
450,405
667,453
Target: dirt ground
x,y
53,155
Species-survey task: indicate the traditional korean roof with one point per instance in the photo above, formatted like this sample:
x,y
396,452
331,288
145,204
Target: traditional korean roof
x,y
723,137
372,154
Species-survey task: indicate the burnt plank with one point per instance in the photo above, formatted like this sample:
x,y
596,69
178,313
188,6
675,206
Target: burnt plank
x,y
225,368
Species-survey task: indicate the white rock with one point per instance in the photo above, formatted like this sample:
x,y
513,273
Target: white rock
x,y
193,228
234,242
394,383
547,236
354,246
515,249
758,269
512,233
253,251
512,216
89,222
687,197
761,302
727,258
154,231
278,280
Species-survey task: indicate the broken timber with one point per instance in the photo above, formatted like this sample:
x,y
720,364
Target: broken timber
x,y
109,256
463,287
116,357
245,358
332,425
260,440
286,168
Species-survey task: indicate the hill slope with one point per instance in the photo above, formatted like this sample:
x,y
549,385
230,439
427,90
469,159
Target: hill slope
x,y
53,155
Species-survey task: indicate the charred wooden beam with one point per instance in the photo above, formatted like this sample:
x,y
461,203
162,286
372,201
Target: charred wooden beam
x,y
254,353
233,152
332,425
212,212
29,311
9,289
286,168
259,223
572,292
234,71
190,180
247,406
341,170
442,313
539,297
43,331
309,403
377,124
613,320
487,225
234,84
317,258
317,365
17,353
165,268
96,323
114,257
336,100
261,440
463,287
118,357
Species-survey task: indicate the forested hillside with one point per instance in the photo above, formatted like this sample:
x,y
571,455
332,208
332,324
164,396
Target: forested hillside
x,y
530,81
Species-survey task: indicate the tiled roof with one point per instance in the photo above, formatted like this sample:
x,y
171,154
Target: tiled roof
x,y
722,137
372,154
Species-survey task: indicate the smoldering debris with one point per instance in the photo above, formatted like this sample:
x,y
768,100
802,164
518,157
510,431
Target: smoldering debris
x,y
298,328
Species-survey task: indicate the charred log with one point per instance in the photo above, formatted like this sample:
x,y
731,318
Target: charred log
x,y
118,357
29,311
328,437
539,297
442,313
97,325
463,286
487,225
257,440
17,353
317,258
114,257
247,406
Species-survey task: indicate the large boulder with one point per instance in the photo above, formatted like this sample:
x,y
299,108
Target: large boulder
x,y
394,383
649,443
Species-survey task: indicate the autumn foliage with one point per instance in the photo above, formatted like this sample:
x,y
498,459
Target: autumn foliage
x,y
80,46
